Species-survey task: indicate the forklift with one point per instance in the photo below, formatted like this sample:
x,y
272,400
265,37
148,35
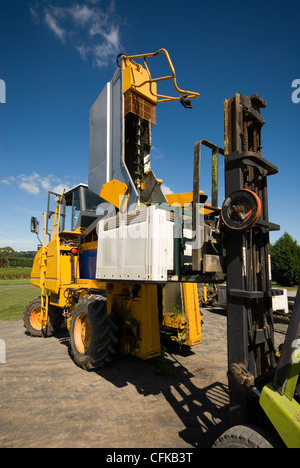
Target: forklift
x,y
264,388
275,399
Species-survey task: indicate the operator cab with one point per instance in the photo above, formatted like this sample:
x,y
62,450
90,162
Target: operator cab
x,y
72,212
79,208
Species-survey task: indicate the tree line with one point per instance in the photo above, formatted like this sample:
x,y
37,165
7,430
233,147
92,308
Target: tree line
x,y
10,258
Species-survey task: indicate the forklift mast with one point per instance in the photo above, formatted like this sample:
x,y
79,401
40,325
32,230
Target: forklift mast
x,y
251,349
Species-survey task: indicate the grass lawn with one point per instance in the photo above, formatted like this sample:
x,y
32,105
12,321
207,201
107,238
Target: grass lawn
x,y
288,288
11,282
13,301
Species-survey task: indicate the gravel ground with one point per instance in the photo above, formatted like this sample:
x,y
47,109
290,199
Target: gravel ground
x,y
46,401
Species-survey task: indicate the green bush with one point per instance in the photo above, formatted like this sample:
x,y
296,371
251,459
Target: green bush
x,y
286,261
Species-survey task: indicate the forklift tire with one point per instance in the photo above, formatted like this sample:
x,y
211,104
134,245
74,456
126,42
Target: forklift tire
x,y
33,323
93,334
245,437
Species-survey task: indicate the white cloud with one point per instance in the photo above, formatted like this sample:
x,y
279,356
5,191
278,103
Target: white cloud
x,y
81,14
29,184
166,190
113,37
33,184
34,15
60,188
157,153
30,188
93,30
45,183
53,25
83,51
8,181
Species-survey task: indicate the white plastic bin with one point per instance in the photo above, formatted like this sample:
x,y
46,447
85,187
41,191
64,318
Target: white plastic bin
x,y
137,246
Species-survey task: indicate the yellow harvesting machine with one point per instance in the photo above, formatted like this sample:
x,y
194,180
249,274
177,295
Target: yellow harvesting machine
x,y
120,260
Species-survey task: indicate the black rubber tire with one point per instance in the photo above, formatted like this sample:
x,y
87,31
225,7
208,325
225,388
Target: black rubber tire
x,y
103,332
245,437
54,322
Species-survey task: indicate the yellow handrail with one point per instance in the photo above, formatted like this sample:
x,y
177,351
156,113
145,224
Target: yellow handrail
x,y
56,223
185,93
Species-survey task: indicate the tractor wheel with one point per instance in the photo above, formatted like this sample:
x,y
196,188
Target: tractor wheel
x,y
245,437
33,319
93,334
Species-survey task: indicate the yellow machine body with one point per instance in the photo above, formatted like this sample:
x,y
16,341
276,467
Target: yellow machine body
x,y
137,78
143,310
115,192
140,308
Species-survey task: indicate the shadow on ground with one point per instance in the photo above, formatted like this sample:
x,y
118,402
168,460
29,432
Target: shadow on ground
x,y
203,410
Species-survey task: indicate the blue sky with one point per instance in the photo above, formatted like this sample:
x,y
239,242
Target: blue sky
x,y
56,56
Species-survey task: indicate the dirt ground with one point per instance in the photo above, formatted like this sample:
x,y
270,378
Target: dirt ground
x,y
46,401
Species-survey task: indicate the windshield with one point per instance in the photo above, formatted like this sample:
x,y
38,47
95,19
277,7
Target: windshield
x,y
80,207
92,201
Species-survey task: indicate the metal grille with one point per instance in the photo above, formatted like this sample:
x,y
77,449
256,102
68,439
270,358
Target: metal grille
x,y
139,106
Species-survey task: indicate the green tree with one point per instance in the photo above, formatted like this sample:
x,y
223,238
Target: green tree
x,y
7,254
24,262
286,261
25,258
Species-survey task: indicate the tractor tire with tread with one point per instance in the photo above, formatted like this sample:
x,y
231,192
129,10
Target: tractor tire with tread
x,y
93,333
32,319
